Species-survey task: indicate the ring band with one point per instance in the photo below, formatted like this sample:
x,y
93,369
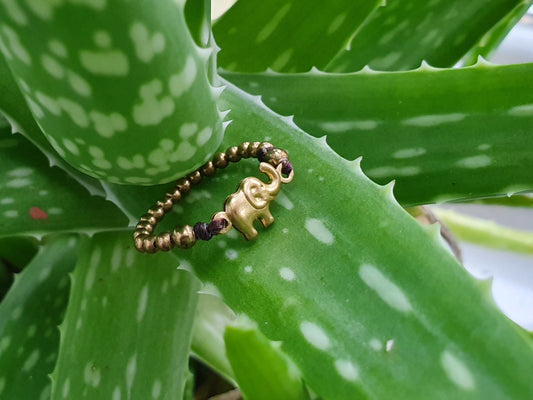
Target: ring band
x,y
250,202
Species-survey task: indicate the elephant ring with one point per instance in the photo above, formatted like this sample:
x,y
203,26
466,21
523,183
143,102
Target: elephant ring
x,y
250,202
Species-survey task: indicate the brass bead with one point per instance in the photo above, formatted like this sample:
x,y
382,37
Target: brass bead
x,y
265,144
165,203
157,212
144,226
275,156
139,232
148,244
195,177
175,195
244,149
163,242
138,241
208,169
183,185
220,160
184,238
149,218
252,150
233,154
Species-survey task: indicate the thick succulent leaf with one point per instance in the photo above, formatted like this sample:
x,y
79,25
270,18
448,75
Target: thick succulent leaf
x,y
119,299
523,200
354,288
212,317
15,109
442,134
287,35
29,316
129,100
492,39
38,199
261,370
403,33
485,233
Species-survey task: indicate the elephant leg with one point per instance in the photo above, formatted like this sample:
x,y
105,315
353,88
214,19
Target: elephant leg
x,y
266,218
249,233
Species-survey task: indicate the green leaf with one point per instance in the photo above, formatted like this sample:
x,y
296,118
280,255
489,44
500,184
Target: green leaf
x,y
212,317
128,324
354,288
492,39
262,371
29,316
441,134
485,233
287,35
36,199
129,99
13,105
400,35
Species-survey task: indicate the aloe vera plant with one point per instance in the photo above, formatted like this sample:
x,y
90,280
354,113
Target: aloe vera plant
x,y
345,296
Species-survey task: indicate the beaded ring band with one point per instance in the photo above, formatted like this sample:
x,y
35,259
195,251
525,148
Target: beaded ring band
x,y
251,201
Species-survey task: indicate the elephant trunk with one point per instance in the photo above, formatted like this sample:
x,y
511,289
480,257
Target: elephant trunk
x,y
274,186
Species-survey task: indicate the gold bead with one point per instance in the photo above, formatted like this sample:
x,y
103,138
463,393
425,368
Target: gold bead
x,y
138,241
184,238
157,212
149,218
208,169
220,160
275,156
183,185
166,204
244,149
144,226
195,177
139,232
175,195
148,244
163,242
233,154
252,150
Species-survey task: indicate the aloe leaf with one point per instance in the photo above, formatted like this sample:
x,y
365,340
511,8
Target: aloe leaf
x,y
441,134
492,39
36,199
262,371
287,36
130,101
13,105
212,317
485,233
402,34
29,316
345,279
119,298
524,200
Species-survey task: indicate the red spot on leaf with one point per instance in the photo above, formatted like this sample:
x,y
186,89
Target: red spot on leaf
x,y
37,213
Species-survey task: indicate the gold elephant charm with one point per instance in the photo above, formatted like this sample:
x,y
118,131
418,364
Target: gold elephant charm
x,y
252,200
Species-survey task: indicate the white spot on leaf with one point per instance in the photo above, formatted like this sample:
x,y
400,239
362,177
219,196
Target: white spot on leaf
x,y
315,335
347,370
317,228
457,371
384,288
287,274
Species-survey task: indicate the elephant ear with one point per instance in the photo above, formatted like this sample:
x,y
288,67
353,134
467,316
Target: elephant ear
x,y
255,193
